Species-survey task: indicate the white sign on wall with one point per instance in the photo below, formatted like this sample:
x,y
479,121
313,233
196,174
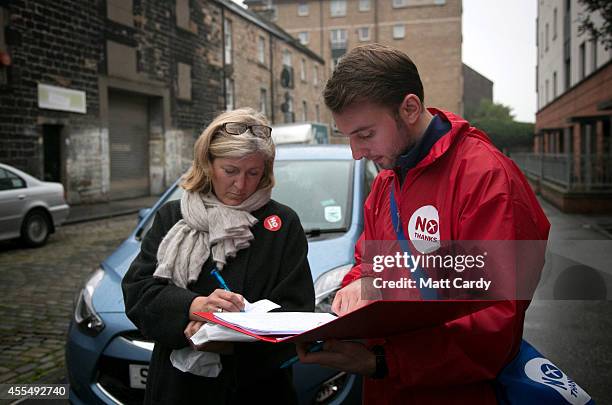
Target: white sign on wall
x,y
62,99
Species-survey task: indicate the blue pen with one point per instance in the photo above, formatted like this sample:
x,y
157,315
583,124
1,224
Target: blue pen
x,y
314,348
222,283
215,274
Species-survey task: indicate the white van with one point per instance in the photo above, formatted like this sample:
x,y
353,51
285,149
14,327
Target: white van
x,y
300,133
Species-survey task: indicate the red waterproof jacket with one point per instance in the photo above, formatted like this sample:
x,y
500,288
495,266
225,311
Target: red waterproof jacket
x,y
477,193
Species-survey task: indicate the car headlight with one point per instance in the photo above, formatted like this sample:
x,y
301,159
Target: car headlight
x,y
84,313
327,285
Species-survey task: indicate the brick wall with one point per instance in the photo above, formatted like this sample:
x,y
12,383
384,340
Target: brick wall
x,y
72,44
432,38
250,75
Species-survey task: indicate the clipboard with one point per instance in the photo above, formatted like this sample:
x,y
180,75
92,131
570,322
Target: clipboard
x,y
378,319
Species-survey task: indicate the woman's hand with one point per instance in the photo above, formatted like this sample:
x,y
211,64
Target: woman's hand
x,y
215,347
219,301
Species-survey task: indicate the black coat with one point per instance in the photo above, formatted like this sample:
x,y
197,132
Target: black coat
x,y
274,266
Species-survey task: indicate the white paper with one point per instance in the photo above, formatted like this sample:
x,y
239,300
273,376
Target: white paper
x,y
276,323
219,333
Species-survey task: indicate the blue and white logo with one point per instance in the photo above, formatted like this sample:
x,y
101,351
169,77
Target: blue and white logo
x,y
542,371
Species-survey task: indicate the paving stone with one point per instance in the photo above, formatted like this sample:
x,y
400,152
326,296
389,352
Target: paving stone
x,y
37,289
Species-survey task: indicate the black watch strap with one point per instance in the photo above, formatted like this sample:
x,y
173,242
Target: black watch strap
x,y
381,363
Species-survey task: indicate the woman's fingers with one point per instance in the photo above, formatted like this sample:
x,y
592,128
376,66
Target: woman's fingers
x,y
226,300
192,328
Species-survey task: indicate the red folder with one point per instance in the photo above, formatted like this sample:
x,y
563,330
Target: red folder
x,y
378,319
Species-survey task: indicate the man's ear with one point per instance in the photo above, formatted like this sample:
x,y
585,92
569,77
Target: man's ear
x,y
410,109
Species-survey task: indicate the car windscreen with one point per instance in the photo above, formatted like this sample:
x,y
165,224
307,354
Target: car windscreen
x,y
319,191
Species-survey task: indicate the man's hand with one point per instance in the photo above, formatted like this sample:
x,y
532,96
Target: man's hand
x,y
219,299
355,295
351,357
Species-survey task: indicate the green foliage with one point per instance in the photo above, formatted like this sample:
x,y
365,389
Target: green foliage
x,y
489,109
498,122
603,32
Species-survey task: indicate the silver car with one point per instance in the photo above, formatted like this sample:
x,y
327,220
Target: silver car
x,y
29,208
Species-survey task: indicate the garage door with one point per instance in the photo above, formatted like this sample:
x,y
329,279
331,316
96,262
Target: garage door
x,y
129,145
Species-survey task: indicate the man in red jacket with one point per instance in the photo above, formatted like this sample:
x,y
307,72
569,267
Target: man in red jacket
x,y
449,174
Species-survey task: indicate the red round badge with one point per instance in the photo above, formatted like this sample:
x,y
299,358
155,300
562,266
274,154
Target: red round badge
x,y
273,223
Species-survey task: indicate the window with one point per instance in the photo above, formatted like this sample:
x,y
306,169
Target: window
x,y
229,94
542,46
400,3
567,72
554,85
227,27
286,57
546,94
334,63
261,50
337,8
554,24
304,111
10,181
582,62
263,101
303,70
317,113
315,75
546,37
302,9
184,81
399,31
338,38
121,11
303,37
593,55
364,33
364,5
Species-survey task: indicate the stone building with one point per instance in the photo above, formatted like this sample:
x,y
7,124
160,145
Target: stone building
x,y
429,31
572,160
268,68
108,96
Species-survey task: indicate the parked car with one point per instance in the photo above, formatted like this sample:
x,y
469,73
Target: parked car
x,y
30,209
107,357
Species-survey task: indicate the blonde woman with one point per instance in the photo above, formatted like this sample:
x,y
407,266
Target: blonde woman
x,y
224,220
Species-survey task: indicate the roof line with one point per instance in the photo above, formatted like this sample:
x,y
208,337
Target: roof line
x,y
269,27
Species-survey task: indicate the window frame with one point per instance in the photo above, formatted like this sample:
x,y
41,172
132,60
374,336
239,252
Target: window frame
x,y
303,9
227,41
261,50
395,34
337,8
361,37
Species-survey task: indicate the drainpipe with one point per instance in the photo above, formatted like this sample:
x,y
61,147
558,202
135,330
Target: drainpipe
x,y
223,56
271,79
321,34
375,20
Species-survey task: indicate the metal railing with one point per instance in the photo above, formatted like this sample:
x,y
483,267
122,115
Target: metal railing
x,y
570,172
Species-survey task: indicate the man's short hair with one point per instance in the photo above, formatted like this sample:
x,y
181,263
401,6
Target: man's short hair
x,y
375,73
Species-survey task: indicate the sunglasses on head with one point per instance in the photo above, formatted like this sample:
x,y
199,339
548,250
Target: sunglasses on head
x,y
239,128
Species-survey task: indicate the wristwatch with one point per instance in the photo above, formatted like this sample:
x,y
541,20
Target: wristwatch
x,y
381,362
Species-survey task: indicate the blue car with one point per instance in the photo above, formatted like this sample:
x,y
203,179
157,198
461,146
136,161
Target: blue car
x,y
107,357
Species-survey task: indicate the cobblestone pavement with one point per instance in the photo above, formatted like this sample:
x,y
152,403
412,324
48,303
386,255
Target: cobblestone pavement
x,y
37,288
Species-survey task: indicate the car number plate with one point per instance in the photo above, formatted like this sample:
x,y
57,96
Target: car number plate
x,y
138,375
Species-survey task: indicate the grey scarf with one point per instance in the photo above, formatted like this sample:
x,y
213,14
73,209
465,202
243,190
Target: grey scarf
x,y
207,225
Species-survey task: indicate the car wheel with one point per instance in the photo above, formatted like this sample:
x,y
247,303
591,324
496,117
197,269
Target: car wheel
x,y
35,229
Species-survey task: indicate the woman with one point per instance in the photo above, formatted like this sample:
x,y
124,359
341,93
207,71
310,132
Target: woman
x,y
225,220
